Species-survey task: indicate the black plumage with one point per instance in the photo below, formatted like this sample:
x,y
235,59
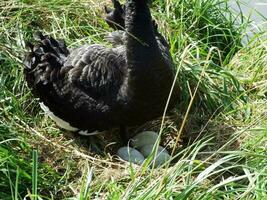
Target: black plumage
x,y
95,88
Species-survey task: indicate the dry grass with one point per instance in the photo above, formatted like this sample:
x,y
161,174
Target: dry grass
x,y
221,151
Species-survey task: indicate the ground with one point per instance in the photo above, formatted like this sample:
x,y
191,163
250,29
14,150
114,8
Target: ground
x,y
217,132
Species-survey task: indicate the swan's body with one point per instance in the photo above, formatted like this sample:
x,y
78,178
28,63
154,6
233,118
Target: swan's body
x,y
95,88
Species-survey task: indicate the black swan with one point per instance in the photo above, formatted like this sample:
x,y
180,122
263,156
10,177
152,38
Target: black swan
x,y
96,88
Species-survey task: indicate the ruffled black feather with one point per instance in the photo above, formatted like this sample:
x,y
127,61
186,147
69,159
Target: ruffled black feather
x,y
96,88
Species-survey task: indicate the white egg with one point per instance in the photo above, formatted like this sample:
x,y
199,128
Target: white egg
x,y
144,138
131,155
161,158
147,149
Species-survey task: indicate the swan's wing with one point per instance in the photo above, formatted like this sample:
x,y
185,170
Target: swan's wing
x,y
96,70
116,38
79,87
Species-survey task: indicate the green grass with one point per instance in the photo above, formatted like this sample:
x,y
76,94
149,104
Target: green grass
x,y
220,124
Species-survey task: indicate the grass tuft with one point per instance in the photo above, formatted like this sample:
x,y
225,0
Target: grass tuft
x,y
219,123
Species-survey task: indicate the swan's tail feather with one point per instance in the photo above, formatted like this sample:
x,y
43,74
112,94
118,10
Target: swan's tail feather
x,y
43,61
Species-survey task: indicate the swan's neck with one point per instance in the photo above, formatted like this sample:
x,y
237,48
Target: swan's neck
x,y
146,65
141,45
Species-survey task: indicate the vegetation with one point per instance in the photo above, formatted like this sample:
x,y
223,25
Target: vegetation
x,y
218,133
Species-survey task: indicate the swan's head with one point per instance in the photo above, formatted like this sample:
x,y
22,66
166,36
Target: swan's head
x,y
116,17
